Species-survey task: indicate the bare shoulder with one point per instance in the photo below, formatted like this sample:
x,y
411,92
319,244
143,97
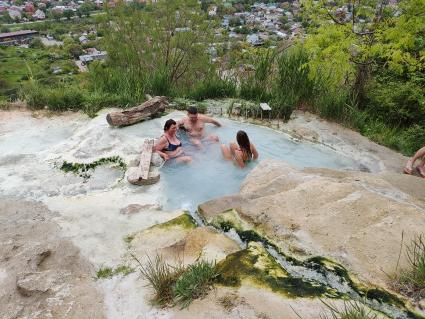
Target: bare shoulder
x,y
204,117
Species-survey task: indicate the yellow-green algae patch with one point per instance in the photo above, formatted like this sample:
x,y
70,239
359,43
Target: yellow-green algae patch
x,y
256,266
294,287
183,221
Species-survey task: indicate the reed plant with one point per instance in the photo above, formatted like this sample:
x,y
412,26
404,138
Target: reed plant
x,y
213,88
411,280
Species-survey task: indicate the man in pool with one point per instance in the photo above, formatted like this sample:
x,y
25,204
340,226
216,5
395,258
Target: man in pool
x,y
194,124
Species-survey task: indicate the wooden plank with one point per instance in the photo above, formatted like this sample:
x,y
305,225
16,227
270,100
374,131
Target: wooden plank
x,y
145,158
265,107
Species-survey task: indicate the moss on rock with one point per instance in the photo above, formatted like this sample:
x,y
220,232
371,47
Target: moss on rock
x,y
184,220
84,169
256,265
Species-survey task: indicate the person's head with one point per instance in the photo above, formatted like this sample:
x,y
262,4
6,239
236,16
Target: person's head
x,y
170,126
244,144
192,113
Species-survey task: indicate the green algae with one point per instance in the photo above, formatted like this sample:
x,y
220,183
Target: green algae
x,y
238,266
108,272
128,238
84,169
256,265
184,221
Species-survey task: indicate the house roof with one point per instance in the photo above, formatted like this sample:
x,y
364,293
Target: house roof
x,y
17,33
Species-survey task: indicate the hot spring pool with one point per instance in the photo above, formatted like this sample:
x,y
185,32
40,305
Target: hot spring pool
x,y
209,176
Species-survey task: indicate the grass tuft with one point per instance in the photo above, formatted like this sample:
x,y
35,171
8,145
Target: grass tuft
x,y
161,277
179,284
411,281
351,310
194,283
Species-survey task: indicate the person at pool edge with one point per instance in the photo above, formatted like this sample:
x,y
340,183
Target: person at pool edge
x,y
169,146
242,152
194,124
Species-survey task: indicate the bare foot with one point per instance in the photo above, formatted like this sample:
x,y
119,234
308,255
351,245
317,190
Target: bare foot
x,y
408,169
421,171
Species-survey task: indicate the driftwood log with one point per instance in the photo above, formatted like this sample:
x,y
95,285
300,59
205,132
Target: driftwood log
x,y
138,113
142,175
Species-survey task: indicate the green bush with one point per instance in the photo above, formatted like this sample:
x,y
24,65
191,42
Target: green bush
x,y
64,98
213,88
414,139
36,43
397,103
95,101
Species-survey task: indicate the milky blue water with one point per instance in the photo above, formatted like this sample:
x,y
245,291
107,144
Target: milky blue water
x,y
210,176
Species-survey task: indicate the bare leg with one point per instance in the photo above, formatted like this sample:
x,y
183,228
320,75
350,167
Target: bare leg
x,y
184,159
213,138
408,169
420,167
196,142
226,152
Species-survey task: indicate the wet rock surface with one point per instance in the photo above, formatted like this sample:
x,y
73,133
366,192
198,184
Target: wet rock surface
x,y
354,218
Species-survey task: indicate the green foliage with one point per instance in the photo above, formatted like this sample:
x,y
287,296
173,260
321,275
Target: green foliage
x,y
414,276
397,103
195,281
177,284
108,272
85,169
257,85
174,45
161,277
68,14
36,43
95,101
213,88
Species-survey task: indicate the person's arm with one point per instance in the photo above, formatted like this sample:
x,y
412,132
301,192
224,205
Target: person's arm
x,y
207,119
254,152
162,143
180,123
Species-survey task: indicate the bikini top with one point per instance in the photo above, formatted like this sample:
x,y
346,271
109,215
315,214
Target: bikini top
x,y
171,147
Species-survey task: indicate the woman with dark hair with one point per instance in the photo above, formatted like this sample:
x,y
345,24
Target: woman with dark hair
x,y
242,152
169,146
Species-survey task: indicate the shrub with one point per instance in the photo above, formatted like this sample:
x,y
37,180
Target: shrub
x,y
36,43
64,98
414,139
212,88
397,103
34,95
95,101
195,281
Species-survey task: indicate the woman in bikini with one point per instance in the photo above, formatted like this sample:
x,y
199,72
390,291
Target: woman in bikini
x,y
242,152
169,146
